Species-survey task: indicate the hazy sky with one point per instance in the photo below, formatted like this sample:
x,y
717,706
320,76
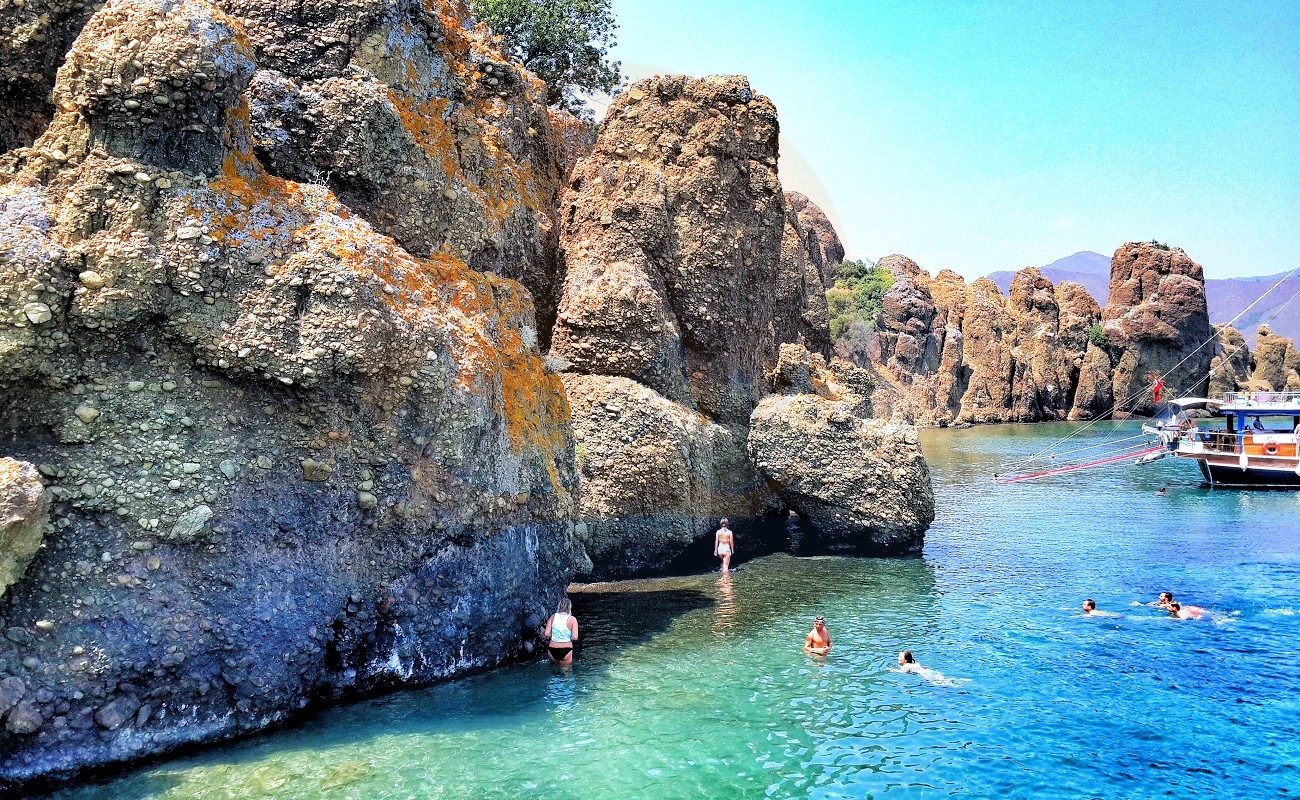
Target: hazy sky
x,y
982,136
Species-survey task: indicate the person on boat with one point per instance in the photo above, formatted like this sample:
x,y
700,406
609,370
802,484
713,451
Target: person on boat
x,y
724,544
561,632
818,641
1258,425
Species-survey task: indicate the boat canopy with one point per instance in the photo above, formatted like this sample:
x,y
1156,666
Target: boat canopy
x,y
1195,402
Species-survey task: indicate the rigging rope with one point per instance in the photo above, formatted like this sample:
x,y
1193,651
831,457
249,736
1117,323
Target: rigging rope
x,y
1061,470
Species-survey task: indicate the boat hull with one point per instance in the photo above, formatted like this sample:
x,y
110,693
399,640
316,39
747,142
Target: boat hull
x,y
1225,476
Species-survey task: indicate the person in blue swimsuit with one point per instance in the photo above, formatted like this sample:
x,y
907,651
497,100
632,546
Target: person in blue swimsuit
x,y
561,632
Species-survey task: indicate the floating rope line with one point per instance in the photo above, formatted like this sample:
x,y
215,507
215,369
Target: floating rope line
x,y
1118,405
1085,465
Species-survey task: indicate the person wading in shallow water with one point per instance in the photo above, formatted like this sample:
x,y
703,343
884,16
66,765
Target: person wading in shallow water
x,y
561,632
724,544
819,639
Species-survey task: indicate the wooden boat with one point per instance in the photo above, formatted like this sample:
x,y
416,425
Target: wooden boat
x,y
1248,442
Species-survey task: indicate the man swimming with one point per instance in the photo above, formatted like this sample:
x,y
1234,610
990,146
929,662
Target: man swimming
x,y
1090,610
819,639
1185,612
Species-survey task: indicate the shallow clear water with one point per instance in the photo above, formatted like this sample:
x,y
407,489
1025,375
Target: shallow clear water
x,y
697,687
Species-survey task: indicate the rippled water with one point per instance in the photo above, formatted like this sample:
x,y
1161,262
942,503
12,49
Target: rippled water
x,y
697,687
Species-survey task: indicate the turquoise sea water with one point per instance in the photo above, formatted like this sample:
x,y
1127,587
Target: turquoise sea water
x,y
697,687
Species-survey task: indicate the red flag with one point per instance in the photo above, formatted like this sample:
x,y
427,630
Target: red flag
x,y
1157,387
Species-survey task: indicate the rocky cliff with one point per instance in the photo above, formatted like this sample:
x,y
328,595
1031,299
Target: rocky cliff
x,y
298,439
686,271
947,352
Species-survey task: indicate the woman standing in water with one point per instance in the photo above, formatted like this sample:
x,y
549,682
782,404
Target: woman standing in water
x,y
561,632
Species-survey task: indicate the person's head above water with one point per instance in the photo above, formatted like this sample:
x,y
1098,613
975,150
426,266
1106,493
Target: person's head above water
x,y
819,622
1089,605
565,606
1175,606
724,522
905,657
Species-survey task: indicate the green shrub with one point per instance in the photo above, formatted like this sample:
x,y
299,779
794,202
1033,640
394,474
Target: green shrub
x,y
1097,336
857,298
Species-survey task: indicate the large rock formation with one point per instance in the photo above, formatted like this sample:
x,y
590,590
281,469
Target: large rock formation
x,y
686,272
1155,321
289,458
824,248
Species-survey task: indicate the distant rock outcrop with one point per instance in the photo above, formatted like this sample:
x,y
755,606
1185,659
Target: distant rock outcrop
x,y
1230,367
1274,362
951,353
1154,322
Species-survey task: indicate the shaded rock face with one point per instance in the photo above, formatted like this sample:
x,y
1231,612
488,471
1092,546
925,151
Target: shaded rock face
x,y
862,484
1230,367
1154,321
216,367
946,352
24,505
824,248
672,240
34,36
687,275
656,476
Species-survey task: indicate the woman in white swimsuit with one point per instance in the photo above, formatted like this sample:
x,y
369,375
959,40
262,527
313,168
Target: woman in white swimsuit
x,y
561,632
724,542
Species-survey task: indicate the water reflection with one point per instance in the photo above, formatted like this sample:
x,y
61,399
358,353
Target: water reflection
x,y
724,612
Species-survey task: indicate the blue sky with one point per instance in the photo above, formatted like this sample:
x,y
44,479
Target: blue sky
x,y
995,135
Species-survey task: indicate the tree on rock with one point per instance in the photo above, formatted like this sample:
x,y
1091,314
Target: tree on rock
x,y
564,42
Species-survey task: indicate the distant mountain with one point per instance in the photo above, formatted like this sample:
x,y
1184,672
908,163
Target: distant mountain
x,y
1085,267
1226,297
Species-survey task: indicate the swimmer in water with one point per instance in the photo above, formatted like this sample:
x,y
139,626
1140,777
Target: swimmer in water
x,y
1186,612
907,664
1161,493
1166,600
724,544
1090,610
818,641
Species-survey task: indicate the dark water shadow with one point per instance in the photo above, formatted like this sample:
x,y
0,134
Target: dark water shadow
x,y
509,695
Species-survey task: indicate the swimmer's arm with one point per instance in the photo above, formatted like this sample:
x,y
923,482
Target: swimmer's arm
x,y
573,626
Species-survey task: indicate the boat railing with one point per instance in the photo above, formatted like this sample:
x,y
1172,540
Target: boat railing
x,y
1262,398
1222,441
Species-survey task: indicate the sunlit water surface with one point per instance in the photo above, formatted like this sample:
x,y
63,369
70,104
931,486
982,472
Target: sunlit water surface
x,y
697,687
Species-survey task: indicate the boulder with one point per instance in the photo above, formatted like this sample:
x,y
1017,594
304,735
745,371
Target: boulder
x,y
862,484
24,508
